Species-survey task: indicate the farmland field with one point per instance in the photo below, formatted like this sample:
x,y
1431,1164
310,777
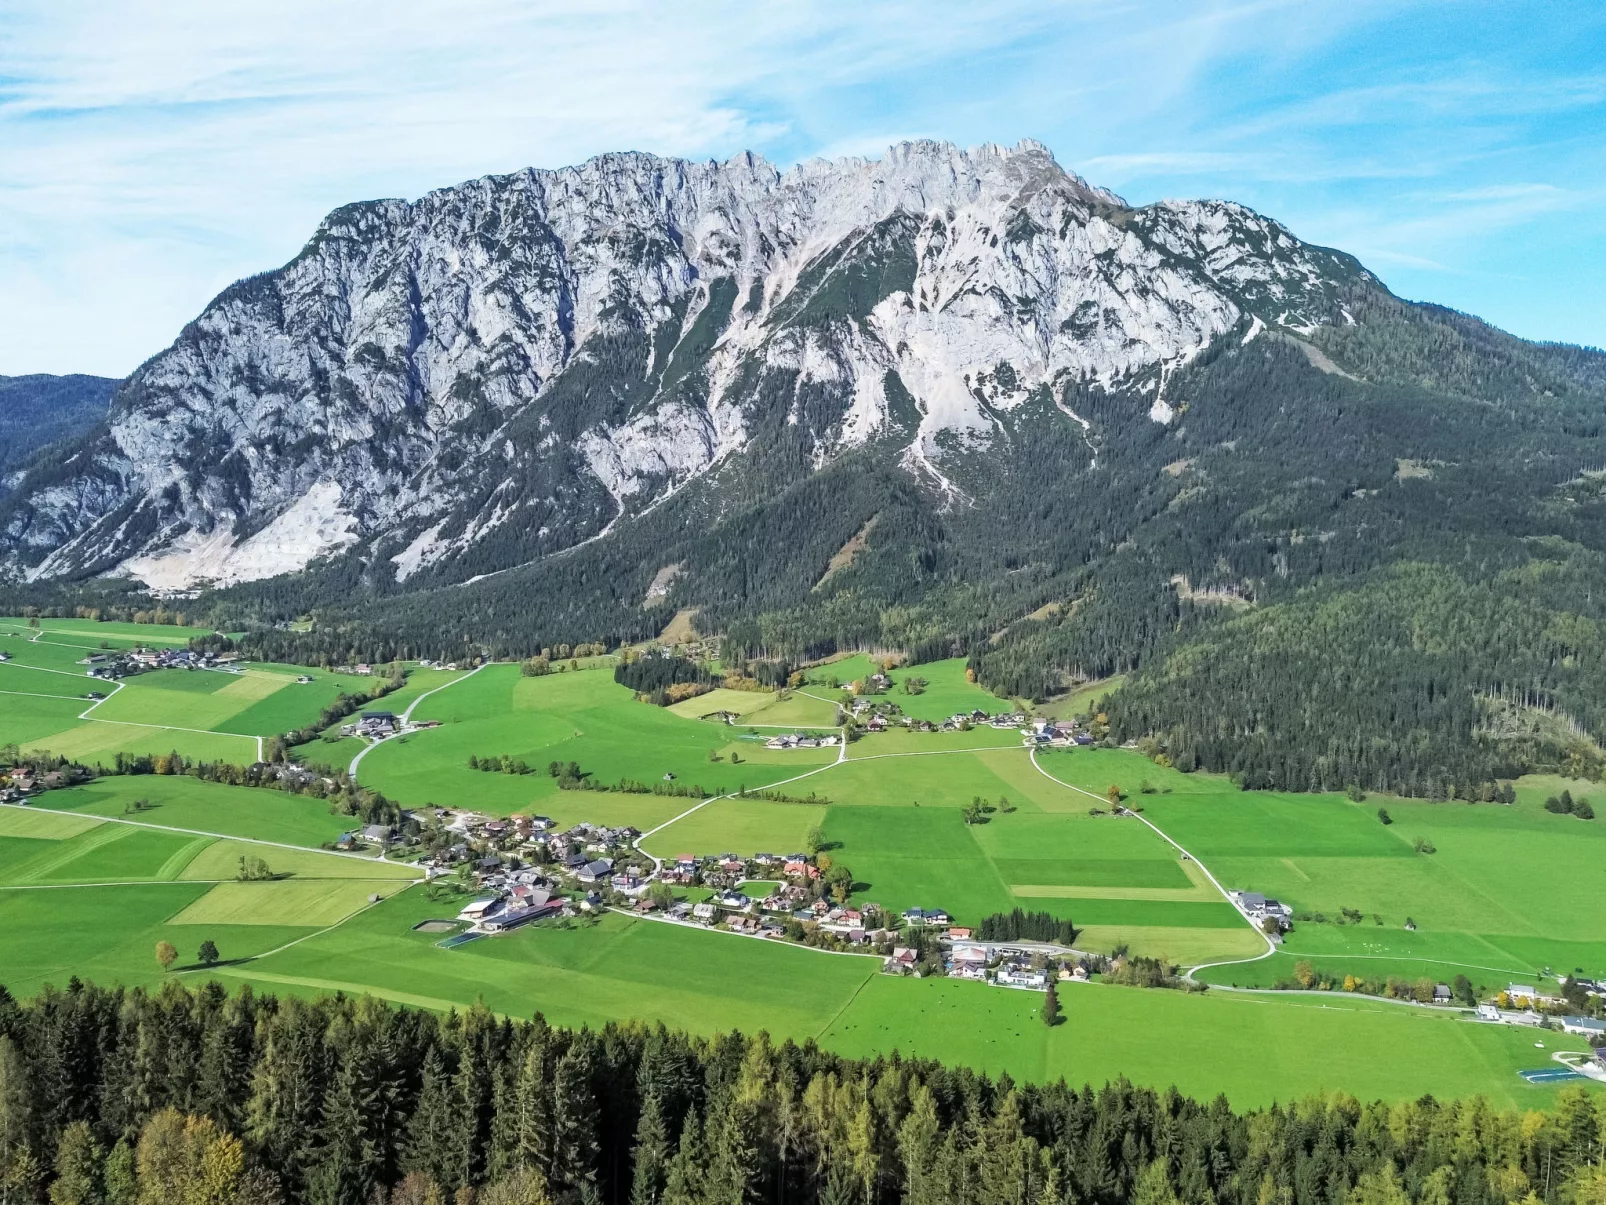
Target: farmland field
x,y
83,893
207,715
1254,1049
584,717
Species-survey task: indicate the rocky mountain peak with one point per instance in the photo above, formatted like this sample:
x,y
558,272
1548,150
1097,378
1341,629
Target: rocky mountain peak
x,y
500,370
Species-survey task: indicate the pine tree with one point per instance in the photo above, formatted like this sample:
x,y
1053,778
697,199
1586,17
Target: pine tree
x,y
574,1116
434,1127
78,1168
651,1165
683,1184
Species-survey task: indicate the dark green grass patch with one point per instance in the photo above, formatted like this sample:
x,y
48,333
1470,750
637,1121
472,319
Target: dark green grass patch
x,y
1092,872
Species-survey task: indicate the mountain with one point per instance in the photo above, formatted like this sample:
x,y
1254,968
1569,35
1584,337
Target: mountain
x,y
511,366
39,410
947,402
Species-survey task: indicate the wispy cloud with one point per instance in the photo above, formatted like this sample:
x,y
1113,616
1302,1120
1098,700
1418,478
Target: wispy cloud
x,y
154,150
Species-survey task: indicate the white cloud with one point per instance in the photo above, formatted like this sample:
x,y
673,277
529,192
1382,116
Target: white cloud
x,y
151,151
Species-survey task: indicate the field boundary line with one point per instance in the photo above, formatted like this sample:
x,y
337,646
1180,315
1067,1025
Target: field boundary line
x,y
847,1004
116,689
121,883
1271,946
694,926
199,832
407,716
841,756
33,694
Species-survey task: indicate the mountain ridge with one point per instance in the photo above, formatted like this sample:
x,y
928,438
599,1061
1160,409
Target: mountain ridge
x,y
342,402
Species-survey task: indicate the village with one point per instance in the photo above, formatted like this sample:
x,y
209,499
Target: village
x,y
522,869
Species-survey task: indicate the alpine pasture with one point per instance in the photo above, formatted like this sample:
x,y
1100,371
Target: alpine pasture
x,y
93,876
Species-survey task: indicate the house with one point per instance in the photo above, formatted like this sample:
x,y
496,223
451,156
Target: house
x,y
1587,1027
303,679
903,958
377,723
703,911
1022,977
1441,993
1488,1012
379,834
958,934
477,910
794,867
592,872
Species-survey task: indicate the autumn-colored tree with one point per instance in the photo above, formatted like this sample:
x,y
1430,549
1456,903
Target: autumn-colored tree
x,y
166,955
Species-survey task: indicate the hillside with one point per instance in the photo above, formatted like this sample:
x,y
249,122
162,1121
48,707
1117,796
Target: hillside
x,y
954,402
39,410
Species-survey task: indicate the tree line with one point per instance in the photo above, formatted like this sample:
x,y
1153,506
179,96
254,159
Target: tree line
x,y
123,1097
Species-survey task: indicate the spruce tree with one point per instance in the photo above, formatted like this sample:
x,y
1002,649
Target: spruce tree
x,y
1051,1005
574,1116
651,1163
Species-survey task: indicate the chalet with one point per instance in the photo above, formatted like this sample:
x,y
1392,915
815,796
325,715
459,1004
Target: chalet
x,y
795,867
1588,1027
377,723
478,910
958,934
903,958
592,872
1022,977
731,864
926,916
968,962
1441,993
704,911
379,834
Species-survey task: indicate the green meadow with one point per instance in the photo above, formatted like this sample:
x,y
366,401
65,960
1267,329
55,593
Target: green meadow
x,y
582,716
1508,891
208,715
946,691
1254,1049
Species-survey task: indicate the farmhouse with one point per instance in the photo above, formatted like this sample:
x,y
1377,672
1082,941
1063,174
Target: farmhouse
x,y
1588,1027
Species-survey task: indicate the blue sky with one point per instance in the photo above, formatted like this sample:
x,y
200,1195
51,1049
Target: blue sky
x,y
152,151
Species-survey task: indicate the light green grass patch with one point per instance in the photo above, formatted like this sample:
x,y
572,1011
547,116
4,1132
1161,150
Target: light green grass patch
x,y
96,743
221,860
48,826
180,802
738,702
738,826
291,902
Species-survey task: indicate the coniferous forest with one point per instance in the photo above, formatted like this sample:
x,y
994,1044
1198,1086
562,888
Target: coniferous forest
x,y
113,1097
1377,559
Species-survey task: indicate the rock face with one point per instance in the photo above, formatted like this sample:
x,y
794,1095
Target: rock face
x,y
506,368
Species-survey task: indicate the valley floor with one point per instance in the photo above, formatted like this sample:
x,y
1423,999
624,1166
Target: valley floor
x,y
89,883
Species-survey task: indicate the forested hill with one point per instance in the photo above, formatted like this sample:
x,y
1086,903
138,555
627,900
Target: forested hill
x,y
39,410
950,402
114,1098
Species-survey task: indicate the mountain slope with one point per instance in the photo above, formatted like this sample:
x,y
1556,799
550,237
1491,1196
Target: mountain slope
x,y
504,369
39,410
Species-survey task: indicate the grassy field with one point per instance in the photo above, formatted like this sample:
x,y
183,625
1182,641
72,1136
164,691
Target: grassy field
x,y
177,801
1252,1048
617,968
1473,901
581,716
946,692
1508,892
302,902
204,714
